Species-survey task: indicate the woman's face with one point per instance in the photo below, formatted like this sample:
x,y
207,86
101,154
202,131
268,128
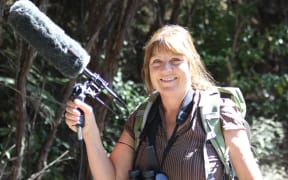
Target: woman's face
x,y
169,73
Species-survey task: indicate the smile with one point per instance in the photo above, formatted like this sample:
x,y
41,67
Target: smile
x,y
168,78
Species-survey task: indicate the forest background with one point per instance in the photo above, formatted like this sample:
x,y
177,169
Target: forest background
x,y
242,42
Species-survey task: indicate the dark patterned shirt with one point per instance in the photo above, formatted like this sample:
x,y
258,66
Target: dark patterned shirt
x,y
184,160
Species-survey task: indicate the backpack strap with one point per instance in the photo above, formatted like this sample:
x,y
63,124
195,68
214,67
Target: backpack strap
x,y
236,96
141,117
210,115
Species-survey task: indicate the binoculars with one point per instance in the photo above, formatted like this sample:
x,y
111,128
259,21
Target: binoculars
x,y
146,175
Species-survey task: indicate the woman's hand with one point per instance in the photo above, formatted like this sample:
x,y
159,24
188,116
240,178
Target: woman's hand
x,y
73,114
101,166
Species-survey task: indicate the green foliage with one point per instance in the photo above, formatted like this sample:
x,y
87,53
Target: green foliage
x,y
133,94
266,95
234,38
268,135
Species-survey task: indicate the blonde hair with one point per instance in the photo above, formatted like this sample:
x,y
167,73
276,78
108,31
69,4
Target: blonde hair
x,y
178,40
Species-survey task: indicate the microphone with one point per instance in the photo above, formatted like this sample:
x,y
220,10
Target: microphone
x,y
47,38
61,51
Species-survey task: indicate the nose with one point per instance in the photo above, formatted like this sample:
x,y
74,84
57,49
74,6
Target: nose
x,y
167,66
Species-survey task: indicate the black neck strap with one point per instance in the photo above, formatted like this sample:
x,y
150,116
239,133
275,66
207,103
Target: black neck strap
x,y
185,108
183,113
154,119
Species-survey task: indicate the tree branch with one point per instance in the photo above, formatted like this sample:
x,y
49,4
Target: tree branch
x,y
52,134
43,170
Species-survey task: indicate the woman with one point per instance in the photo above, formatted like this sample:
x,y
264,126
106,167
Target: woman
x,y
173,68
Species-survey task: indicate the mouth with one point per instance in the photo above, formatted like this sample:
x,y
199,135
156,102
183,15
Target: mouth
x,y
168,79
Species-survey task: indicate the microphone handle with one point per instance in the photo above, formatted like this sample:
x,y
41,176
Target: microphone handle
x,y
80,125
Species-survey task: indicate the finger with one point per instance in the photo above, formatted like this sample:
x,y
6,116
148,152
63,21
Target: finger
x,y
82,105
72,116
72,127
70,122
70,104
72,109
72,112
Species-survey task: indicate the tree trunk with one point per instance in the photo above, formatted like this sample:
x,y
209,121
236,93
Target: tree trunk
x,y
25,62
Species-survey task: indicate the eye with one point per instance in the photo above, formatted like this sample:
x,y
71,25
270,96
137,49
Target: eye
x,y
155,62
176,61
